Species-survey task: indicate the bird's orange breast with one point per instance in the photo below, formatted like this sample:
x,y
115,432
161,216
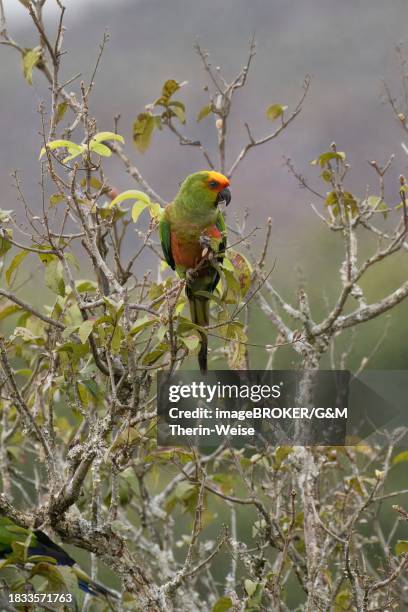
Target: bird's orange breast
x,y
187,253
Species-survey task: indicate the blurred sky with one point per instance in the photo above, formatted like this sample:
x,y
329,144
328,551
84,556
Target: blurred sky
x,y
16,10
347,47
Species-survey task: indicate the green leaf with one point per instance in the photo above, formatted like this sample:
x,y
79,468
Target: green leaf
x,y
350,203
325,158
142,201
100,149
236,345
23,372
9,310
158,122
131,194
115,308
56,198
142,323
19,551
54,278
377,204
92,387
401,547
210,296
155,210
61,110
31,59
274,111
281,453
93,181
137,209
242,270
176,108
83,286
142,131
55,579
73,156
85,330
40,558
177,104
103,136
25,334
343,600
169,88
400,458
5,244
70,257
233,287
45,258
383,209
116,339
73,149
326,176
70,579
191,342
356,485
222,604
15,262
166,455
185,325
227,264
332,201
204,112
156,354
225,482
76,351
250,587
161,332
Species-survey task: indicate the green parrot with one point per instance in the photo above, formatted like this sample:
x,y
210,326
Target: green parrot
x,y
190,223
40,545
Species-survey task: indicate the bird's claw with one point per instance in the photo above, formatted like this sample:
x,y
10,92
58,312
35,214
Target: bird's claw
x,y
189,275
205,241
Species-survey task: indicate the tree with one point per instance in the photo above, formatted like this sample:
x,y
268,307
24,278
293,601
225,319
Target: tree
x,y
78,376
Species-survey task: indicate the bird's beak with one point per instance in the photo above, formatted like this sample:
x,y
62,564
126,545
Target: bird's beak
x,y
224,196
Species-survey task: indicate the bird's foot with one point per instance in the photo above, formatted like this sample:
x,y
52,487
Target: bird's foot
x,y
205,241
190,275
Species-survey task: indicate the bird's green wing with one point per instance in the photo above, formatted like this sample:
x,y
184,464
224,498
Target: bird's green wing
x,y
165,239
220,223
10,532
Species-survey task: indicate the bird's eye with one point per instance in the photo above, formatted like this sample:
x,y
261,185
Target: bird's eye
x,y
213,184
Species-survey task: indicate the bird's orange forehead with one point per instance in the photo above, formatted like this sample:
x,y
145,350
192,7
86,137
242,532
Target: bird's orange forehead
x,y
219,178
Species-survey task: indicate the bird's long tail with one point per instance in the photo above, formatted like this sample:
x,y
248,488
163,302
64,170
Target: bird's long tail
x,y
200,315
92,587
